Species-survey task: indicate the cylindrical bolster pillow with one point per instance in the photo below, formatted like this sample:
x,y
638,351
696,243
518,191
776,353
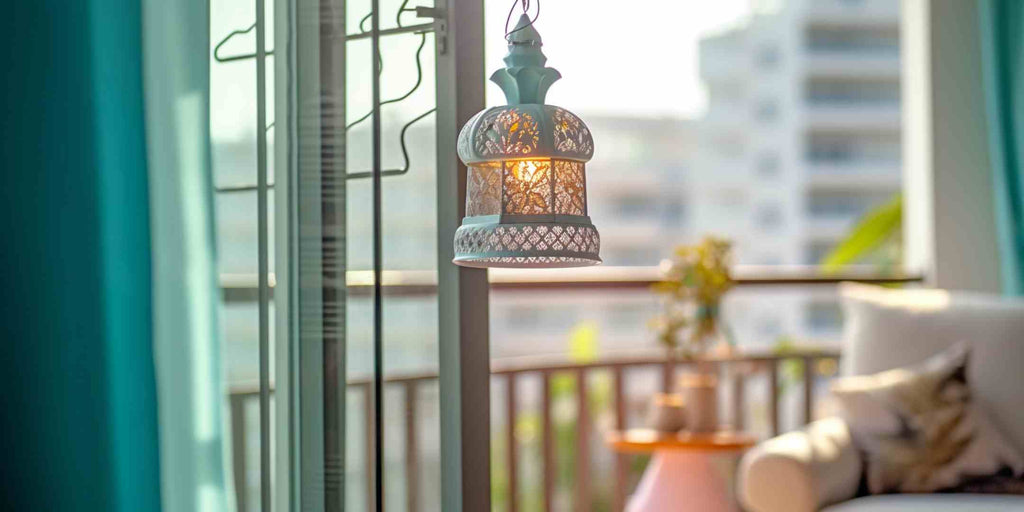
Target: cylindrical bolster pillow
x,y
801,471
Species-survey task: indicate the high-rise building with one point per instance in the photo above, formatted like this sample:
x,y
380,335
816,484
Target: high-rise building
x,y
801,137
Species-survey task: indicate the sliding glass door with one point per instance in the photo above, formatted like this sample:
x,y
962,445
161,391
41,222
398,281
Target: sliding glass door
x,y
367,301
404,244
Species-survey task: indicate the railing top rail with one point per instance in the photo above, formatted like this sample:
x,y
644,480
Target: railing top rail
x,y
548,366
424,282
747,356
644,277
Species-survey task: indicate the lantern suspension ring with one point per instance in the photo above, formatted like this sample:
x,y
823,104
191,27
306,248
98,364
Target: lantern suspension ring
x,y
526,10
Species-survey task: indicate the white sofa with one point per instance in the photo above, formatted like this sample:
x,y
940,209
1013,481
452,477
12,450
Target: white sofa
x,y
818,468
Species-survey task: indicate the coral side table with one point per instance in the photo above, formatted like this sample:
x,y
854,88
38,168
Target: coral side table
x,y
680,476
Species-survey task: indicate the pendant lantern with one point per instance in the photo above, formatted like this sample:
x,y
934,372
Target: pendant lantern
x,y
526,197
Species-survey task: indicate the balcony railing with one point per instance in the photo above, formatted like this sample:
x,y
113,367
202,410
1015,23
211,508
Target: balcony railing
x,y
734,370
513,396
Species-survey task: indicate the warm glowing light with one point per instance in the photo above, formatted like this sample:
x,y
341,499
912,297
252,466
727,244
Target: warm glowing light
x,y
526,187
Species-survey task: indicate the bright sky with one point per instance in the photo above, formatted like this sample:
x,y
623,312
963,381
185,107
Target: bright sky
x,y
636,57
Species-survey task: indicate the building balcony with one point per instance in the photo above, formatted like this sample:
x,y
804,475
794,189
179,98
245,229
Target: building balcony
x,y
826,116
637,180
854,12
726,115
829,228
854,175
718,55
719,66
834,63
629,232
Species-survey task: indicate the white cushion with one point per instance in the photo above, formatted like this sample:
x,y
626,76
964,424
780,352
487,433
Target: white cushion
x,y
887,328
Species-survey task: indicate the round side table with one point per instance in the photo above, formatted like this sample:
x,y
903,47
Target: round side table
x,y
680,476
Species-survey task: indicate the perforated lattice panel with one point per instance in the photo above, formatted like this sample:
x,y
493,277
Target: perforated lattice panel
x,y
529,245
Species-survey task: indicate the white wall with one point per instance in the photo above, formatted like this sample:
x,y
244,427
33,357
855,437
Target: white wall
x,y
949,220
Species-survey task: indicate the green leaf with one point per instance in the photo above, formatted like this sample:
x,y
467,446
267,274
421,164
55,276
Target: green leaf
x,y
870,232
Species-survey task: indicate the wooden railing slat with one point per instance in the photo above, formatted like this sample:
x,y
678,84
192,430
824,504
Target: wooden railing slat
x,y
549,443
582,444
773,397
368,449
739,388
238,451
412,450
512,447
808,389
619,492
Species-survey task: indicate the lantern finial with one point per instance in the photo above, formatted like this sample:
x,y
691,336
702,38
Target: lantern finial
x,y
524,79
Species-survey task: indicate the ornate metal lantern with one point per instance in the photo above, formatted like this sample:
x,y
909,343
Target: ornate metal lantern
x,y
526,197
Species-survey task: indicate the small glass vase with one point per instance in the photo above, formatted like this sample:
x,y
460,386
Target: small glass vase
x,y
700,388
667,413
700,394
711,337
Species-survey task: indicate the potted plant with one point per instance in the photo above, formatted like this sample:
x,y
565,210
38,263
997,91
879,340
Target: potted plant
x,y
667,412
694,280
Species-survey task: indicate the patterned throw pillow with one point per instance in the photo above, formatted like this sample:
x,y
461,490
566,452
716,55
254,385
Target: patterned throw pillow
x,y
919,429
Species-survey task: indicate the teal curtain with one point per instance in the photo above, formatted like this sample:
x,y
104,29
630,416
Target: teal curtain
x,y
79,415
185,293
1003,58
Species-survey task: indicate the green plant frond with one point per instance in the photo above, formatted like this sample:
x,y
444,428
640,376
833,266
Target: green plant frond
x,y
562,385
871,231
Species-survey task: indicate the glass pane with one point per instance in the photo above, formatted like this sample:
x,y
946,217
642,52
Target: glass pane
x,y
233,94
233,104
237,234
411,401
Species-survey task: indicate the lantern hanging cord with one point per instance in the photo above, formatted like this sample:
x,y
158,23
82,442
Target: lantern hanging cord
x,y
421,30
419,81
526,9
402,9
405,128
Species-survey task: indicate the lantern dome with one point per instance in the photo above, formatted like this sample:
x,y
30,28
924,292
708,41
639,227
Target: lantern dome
x,y
525,131
526,198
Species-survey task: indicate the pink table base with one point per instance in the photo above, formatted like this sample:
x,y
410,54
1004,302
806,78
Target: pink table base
x,y
681,481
